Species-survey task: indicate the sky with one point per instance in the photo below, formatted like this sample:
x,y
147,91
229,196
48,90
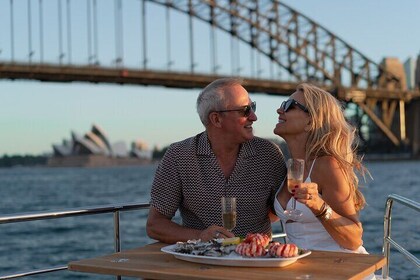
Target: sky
x,y
35,115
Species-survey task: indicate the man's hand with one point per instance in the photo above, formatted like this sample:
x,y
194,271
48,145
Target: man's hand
x,y
215,232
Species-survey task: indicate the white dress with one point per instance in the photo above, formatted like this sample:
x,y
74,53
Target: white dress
x,y
308,232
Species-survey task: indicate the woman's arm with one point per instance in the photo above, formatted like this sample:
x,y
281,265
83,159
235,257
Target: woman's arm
x,y
343,225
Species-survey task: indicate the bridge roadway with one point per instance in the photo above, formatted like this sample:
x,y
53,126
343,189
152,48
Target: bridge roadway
x,y
57,73
93,74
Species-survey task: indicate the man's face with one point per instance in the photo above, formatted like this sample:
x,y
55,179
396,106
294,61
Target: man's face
x,y
236,126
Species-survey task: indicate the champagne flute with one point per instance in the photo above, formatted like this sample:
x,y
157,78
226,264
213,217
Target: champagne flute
x,y
229,212
295,168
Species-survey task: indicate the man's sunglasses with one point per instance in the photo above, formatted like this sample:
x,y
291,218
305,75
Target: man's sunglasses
x,y
290,103
246,110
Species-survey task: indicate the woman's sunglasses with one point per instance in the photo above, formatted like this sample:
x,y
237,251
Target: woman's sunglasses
x,y
290,103
246,110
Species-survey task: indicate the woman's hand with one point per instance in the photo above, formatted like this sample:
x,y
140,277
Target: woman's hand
x,y
307,193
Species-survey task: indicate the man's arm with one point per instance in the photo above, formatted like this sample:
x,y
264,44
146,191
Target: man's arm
x,y
273,217
162,228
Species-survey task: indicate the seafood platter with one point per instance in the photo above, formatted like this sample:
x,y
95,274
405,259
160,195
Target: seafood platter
x,y
255,250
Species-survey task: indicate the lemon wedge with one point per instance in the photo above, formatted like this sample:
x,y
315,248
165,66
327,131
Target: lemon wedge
x,y
231,241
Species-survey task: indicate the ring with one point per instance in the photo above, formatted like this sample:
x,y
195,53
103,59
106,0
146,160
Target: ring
x,y
217,234
310,196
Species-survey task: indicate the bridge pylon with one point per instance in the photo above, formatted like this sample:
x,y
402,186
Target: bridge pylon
x,y
392,111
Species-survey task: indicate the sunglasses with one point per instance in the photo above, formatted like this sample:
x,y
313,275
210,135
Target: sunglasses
x,y
290,103
246,110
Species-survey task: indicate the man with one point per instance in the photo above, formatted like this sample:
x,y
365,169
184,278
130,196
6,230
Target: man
x,y
224,160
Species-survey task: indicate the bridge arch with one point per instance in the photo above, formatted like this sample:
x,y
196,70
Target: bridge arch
x,y
307,50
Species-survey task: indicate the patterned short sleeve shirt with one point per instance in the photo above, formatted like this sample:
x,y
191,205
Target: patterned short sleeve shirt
x,y
190,179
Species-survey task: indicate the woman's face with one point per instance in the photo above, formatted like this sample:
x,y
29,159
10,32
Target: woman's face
x,y
293,117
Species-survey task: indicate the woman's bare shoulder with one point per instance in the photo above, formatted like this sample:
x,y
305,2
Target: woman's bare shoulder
x,y
326,164
327,172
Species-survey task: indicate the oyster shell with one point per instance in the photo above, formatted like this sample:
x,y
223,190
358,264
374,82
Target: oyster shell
x,y
213,248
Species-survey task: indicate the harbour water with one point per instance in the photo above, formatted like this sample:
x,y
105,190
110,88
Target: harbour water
x,y
38,244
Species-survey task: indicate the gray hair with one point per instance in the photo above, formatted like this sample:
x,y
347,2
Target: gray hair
x,y
213,96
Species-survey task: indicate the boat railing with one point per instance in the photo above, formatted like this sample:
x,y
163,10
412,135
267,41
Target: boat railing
x,y
388,241
115,209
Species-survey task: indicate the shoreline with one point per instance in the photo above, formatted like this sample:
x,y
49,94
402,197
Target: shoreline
x,y
104,161
95,161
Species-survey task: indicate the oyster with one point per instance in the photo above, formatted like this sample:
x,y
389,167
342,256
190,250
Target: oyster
x,y
212,248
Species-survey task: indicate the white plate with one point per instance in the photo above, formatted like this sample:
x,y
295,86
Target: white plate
x,y
234,259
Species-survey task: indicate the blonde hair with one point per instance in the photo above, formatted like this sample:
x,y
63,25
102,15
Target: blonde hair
x,y
331,135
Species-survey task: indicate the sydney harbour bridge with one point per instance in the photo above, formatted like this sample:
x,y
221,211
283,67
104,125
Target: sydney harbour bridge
x,y
189,43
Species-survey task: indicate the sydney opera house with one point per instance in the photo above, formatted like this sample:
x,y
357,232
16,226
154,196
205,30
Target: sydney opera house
x,y
94,149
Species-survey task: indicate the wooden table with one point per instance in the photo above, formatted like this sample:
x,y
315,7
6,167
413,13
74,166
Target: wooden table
x,y
150,262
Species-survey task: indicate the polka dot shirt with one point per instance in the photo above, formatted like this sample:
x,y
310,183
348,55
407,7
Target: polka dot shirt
x,y
190,179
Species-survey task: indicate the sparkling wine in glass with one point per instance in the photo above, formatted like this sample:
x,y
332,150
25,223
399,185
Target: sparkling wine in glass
x,y
295,168
229,212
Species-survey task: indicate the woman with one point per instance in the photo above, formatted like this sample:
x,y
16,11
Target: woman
x,y
313,125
